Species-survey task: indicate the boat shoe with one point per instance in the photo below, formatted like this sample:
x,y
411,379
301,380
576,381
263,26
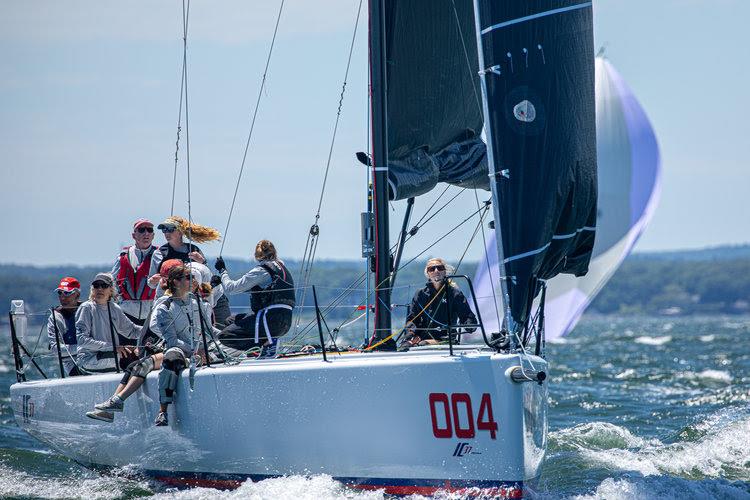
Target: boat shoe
x,y
111,405
104,416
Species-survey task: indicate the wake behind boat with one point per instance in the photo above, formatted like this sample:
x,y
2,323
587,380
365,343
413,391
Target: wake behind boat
x,y
436,417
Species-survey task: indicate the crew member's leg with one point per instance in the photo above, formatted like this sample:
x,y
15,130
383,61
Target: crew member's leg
x,y
174,362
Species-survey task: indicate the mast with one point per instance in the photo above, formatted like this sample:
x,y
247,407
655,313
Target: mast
x,y
495,178
380,174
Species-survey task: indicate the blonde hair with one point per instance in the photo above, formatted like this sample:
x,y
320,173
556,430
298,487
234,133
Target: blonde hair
x,y
448,268
112,297
193,231
265,250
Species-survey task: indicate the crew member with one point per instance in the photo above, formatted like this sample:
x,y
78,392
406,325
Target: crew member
x,y
427,321
272,300
174,229
131,272
179,320
62,323
98,321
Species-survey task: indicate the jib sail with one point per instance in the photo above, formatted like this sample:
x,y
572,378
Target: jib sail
x,y
537,65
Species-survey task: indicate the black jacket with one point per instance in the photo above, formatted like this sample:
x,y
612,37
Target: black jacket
x,y
431,316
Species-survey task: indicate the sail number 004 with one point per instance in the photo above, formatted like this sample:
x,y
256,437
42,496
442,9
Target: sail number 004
x,y
457,416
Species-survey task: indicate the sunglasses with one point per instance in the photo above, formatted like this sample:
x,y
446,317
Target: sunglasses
x,y
145,230
435,268
168,230
66,293
100,285
184,277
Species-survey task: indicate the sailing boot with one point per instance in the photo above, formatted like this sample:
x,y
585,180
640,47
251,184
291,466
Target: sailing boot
x,y
104,416
112,404
161,419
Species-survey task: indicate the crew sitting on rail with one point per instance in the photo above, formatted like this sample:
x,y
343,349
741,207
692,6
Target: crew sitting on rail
x,y
272,300
135,374
131,272
99,322
174,229
181,321
62,323
427,319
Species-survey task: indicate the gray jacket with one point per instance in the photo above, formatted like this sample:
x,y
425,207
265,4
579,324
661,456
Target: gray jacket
x,y
93,329
177,318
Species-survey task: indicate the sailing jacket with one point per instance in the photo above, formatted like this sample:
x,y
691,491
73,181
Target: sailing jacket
x,y
430,313
179,322
94,330
131,272
62,322
269,283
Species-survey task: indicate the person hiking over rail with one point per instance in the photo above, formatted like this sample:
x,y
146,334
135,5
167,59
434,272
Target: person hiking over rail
x,y
272,300
179,320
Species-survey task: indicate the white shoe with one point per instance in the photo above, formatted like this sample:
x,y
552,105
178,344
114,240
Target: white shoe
x,y
104,416
111,405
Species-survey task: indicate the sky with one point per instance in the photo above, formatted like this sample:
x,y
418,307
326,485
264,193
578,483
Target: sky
x,y
89,98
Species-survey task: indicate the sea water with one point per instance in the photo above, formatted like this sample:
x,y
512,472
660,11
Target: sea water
x,y
639,408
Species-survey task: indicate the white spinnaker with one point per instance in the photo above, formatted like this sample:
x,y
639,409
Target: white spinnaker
x,y
629,182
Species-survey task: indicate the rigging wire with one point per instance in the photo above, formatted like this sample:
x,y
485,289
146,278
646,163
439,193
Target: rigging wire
x,y
308,258
177,141
252,126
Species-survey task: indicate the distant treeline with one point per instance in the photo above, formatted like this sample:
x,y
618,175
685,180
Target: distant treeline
x,y
690,282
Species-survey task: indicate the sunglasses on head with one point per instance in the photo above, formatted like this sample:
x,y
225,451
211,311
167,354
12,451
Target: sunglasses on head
x,y
145,230
168,229
100,284
66,293
435,268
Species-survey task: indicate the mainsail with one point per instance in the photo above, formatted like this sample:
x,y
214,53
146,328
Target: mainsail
x,y
537,63
629,183
434,101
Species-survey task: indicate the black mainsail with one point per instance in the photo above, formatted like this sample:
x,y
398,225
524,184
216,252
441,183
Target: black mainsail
x,y
537,67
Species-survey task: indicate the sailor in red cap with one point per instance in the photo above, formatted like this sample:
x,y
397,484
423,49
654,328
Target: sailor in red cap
x,y
131,272
62,323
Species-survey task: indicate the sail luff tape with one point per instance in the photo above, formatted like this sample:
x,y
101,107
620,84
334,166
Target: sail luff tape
x,y
535,16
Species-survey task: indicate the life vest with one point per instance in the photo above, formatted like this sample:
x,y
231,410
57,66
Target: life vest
x,y
133,283
170,253
280,291
69,320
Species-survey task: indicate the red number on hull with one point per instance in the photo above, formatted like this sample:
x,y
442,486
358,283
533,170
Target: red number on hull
x,y
453,416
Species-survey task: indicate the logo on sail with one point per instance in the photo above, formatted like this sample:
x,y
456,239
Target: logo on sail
x,y
524,111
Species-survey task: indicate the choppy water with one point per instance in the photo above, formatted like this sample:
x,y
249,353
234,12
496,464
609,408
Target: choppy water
x,y
640,408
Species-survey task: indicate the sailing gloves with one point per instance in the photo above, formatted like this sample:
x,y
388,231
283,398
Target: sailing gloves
x,y
215,281
219,265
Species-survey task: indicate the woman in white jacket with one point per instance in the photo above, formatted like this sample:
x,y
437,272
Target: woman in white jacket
x,y
98,322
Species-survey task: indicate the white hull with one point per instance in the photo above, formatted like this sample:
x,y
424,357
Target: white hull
x,y
366,419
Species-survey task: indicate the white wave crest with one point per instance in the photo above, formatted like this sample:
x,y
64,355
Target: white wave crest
x,y
707,338
710,375
599,436
672,487
723,452
281,488
15,483
653,340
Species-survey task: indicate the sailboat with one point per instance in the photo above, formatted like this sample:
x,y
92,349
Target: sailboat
x,y
470,419
629,183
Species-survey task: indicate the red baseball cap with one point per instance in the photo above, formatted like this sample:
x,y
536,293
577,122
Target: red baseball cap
x,y
142,222
69,284
168,265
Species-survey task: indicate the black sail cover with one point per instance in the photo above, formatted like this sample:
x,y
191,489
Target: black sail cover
x,y
434,99
539,63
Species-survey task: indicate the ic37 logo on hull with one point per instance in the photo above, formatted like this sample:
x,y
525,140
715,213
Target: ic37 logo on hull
x,y
27,407
464,449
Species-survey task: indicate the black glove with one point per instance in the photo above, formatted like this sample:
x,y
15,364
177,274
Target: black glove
x,y
215,281
219,265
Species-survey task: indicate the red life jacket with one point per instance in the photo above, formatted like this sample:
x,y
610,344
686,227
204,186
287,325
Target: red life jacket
x,y
133,285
